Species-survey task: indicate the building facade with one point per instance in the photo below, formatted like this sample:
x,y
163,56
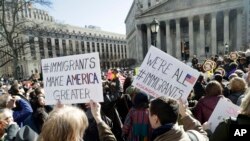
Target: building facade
x,y
189,27
54,39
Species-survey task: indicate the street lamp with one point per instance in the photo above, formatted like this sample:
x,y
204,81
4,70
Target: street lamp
x,y
226,48
154,26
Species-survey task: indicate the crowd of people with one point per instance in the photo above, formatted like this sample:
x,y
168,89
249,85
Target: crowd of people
x,y
128,114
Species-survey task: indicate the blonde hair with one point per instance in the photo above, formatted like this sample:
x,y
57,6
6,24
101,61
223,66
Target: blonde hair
x,y
237,84
245,105
5,113
3,100
64,124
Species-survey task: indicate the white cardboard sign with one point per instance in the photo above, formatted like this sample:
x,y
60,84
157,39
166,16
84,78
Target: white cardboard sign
x,y
161,74
72,79
224,109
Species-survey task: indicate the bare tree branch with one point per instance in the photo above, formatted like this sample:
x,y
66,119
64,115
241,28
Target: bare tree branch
x,y
6,62
14,24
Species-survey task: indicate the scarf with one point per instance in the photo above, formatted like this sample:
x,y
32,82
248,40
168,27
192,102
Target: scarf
x,y
161,130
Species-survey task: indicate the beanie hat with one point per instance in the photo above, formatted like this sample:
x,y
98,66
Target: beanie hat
x,y
141,100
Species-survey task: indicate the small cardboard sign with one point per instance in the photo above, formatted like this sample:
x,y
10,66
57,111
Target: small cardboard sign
x,y
234,56
160,74
224,109
209,65
72,79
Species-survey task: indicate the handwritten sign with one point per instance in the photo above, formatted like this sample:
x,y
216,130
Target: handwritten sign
x,y
224,109
162,75
72,79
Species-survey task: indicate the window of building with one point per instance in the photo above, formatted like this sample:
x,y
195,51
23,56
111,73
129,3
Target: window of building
x,y
149,4
122,48
93,46
118,48
102,47
64,47
107,51
32,48
103,55
114,48
49,45
82,46
111,50
41,48
88,47
98,47
77,47
71,47
57,47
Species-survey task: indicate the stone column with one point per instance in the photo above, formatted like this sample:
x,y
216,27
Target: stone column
x,y
138,52
79,47
120,51
60,46
214,33
45,45
38,57
226,27
178,39
149,35
239,30
169,47
201,48
74,46
67,47
53,47
191,36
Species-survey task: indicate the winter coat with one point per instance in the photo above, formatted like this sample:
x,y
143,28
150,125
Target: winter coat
x,y
105,134
25,111
235,96
221,132
205,107
179,133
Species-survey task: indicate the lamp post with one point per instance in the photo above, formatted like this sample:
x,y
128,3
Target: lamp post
x,y
226,48
154,26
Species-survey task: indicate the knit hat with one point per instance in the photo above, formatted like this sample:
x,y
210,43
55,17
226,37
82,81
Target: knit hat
x,y
141,100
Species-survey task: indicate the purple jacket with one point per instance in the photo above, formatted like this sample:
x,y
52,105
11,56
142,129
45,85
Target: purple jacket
x,y
205,107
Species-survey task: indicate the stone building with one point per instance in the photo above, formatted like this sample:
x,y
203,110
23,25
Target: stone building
x,y
189,27
54,39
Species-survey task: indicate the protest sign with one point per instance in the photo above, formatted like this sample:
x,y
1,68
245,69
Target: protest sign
x,y
72,79
163,75
224,109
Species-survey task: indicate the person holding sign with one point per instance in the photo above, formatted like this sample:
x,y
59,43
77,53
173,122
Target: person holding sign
x,y
62,125
206,105
163,115
222,131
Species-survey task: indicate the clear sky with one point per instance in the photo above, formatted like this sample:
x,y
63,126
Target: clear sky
x,y
108,14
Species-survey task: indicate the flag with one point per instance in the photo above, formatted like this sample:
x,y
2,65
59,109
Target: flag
x,y
190,79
